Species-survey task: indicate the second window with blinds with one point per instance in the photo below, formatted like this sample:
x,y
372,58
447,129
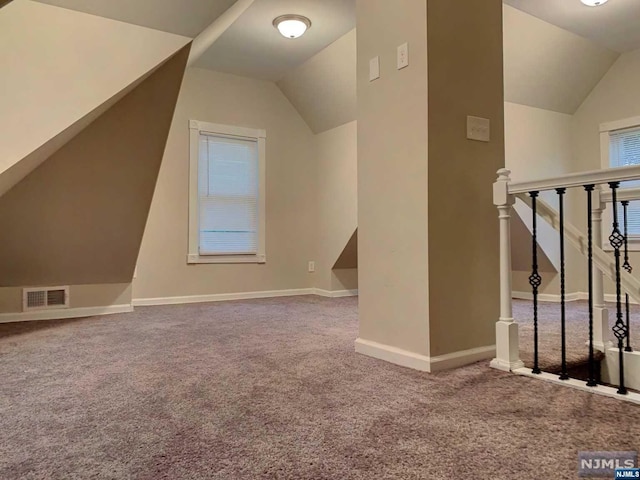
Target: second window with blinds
x,y
226,194
620,147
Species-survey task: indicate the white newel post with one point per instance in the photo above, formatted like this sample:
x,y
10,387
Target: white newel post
x,y
507,348
600,313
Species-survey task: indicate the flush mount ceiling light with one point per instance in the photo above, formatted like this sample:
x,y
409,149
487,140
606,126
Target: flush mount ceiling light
x,y
292,26
594,3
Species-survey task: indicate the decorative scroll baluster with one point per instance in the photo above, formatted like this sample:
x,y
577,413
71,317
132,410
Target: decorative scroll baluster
x,y
535,280
616,240
591,381
627,266
563,373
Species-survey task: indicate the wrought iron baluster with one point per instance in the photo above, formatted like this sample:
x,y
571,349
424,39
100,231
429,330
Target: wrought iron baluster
x,y
616,239
563,373
535,280
627,266
591,381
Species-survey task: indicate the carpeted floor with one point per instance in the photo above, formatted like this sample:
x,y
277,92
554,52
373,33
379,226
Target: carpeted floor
x,y
272,389
577,328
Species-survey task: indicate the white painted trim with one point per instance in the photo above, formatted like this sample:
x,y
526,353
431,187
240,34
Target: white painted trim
x,y
622,194
394,355
220,297
233,130
223,297
66,313
463,357
259,135
195,258
620,124
423,363
335,293
569,297
550,297
611,392
595,177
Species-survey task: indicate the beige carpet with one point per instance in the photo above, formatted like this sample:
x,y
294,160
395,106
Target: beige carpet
x,y
577,328
272,389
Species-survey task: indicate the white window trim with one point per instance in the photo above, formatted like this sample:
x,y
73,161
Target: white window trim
x,y
195,128
607,216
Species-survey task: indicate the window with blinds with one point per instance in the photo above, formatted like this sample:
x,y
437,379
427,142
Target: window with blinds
x,y
228,190
624,150
227,185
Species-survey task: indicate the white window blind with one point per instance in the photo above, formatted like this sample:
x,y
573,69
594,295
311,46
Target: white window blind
x,y
624,150
228,189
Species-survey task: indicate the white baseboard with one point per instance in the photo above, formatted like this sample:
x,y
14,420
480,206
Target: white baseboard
x,y
423,363
463,357
569,297
550,297
335,293
401,357
59,314
222,297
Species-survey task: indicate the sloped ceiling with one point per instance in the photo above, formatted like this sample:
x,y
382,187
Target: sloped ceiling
x,y
323,89
548,67
182,17
79,217
613,25
544,67
252,47
60,68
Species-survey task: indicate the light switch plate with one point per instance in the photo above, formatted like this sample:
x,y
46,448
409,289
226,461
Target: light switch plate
x,y
403,56
478,129
374,69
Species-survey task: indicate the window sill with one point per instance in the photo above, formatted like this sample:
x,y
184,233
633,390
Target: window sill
x,y
195,258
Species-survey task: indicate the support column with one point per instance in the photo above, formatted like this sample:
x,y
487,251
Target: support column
x,y
427,235
601,328
507,346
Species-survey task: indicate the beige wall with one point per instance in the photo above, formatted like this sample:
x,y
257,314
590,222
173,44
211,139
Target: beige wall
x,y
337,172
537,145
616,97
57,68
290,198
323,89
80,296
79,217
392,176
465,78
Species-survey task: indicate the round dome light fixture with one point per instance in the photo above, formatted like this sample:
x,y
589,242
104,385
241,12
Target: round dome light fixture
x,y
594,3
292,26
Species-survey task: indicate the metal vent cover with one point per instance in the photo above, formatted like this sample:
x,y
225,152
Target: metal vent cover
x,y
43,298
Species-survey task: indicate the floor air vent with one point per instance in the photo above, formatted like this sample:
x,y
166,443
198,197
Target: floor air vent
x,y
45,298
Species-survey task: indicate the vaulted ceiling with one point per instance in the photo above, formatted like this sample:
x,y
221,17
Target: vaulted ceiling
x,y
613,25
556,51
183,17
548,67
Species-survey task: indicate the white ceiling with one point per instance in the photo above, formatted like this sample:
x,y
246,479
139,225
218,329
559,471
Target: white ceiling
x,y
183,17
614,25
253,47
548,67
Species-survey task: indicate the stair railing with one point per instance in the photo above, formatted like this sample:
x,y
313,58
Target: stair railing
x,y
599,264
